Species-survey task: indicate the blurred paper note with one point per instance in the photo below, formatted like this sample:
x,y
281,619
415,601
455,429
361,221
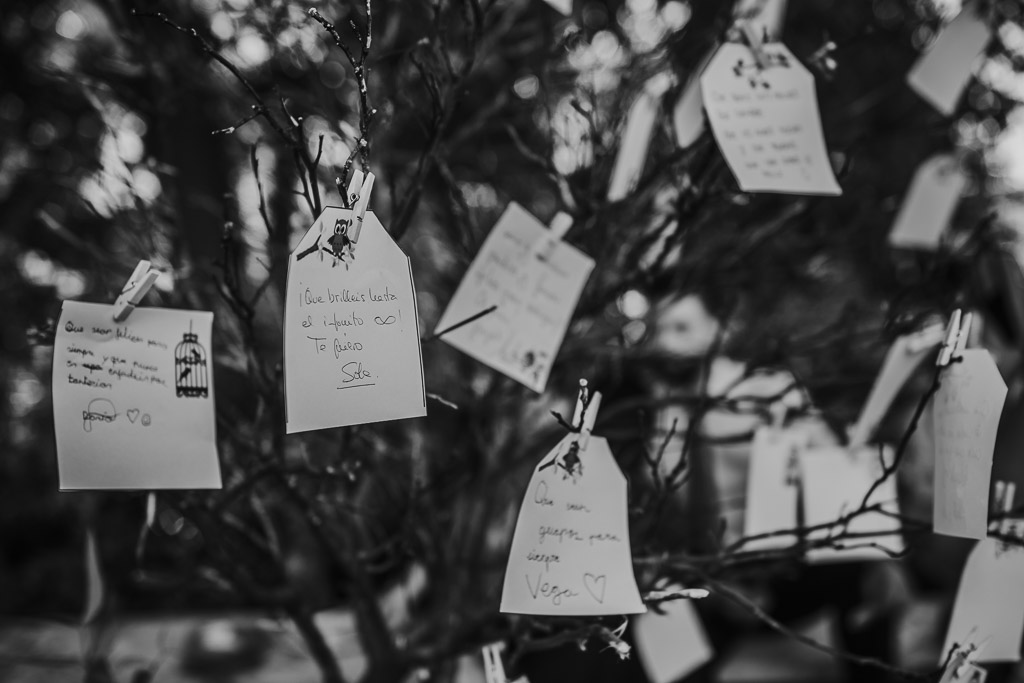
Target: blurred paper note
x,y
351,330
534,298
570,552
94,593
673,644
941,74
772,488
989,607
904,356
688,113
835,482
929,204
966,415
766,121
636,138
563,6
133,401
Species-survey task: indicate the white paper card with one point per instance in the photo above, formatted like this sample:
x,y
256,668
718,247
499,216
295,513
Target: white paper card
x,y
673,644
929,204
636,138
989,607
772,488
570,552
940,75
535,299
133,401
688,113
563,6
766,121
835,481
966,414
351,330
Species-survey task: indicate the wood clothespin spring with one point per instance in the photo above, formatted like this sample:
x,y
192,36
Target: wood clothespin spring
x,y
142,279
957,333
560,225
755,40
585,414
494,670
346,231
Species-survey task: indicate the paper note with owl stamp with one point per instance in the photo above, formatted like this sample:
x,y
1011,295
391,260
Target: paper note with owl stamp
x,y
532,283
766,122
570,553
133,401
351,328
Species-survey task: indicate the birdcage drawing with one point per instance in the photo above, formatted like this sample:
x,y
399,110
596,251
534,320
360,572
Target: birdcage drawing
x,y
191,377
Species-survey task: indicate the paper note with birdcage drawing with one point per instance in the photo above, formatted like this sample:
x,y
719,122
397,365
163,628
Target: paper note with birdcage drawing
x,y
133,401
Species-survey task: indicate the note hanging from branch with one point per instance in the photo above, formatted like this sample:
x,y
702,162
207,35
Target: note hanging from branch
x,y
766,121
966,411
133,401
929,204
529,285
940,75
636,137
351,329
672,644
688,112
773,488
835,482
570,552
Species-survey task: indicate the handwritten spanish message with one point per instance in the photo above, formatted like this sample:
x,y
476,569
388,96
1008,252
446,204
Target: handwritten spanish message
x,y
835,482
989,607
351,329
133,401
966,411
940,75
570,552
929,204
766,121
534,290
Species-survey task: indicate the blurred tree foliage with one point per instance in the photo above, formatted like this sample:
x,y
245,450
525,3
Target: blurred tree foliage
x,y
206,135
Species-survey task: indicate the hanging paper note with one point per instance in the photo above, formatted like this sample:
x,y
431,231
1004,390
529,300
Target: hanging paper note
x,y
773,488
766,121
903,357
688,113
941,74
636,139
929,205
351,329
570,552
530,291
989,605
563,6
133,401
966,414
672,644
835,482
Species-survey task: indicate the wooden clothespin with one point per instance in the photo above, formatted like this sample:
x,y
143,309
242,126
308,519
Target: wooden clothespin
x,y
755,40
961,667
586,413
560,225
346,231
1002,504
142,279
494,670
957,333
360,199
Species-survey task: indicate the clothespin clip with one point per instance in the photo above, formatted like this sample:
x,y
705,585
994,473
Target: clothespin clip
x,y
956,337
961,667
586,413
142,279
360,200
345,232
560,225
1002,504
755,41
494,670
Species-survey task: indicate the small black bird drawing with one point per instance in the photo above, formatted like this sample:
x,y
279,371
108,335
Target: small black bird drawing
x,y
185,373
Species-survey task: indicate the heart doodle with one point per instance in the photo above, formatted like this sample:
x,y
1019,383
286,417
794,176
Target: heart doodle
x,y
133,414
595,585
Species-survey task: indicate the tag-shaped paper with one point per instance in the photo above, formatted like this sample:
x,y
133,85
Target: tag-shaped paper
x,y
905,354
673,644
636,138
688,113
535,299
941,74
133,401
772,488
835,481
563,6
966,414
929,204
989,605
351,330
570,552
766,121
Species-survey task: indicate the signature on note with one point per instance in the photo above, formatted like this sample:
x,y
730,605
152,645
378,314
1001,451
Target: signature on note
x,y
100,410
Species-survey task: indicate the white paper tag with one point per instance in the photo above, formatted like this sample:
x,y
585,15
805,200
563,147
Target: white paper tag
x,y
929,204
673,644
133,401
941,74
563,6
772,488
535,299
966,415
351,330
688,112
636,138
570,552
766,121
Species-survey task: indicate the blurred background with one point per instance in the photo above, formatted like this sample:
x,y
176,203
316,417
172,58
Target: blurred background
x,y
206,135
